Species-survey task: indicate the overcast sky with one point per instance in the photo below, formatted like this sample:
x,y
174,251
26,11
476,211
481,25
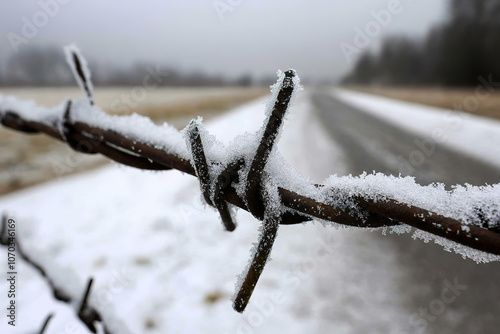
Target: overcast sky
x,y
254,36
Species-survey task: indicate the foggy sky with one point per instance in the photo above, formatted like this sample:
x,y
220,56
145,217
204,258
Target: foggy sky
x,y
256,36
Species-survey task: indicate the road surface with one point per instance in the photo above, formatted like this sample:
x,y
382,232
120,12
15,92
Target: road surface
x,y
425,270
373,144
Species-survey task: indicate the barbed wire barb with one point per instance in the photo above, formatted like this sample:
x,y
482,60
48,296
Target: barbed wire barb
x,y
46,323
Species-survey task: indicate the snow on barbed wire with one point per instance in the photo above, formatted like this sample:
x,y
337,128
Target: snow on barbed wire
x,y
477,205
468,204
80,69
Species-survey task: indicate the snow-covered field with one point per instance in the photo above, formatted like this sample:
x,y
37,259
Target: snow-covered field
x,y
162,263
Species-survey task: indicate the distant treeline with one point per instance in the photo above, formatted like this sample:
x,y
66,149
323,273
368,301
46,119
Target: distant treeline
x,y
46,66
455,53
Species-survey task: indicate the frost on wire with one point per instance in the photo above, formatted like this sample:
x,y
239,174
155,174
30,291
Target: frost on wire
x,y
253,167
81,71
257,189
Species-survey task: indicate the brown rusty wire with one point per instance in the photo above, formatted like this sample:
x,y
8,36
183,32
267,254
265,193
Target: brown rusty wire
x,y
138,153
203,174
274,123
302,208
86,313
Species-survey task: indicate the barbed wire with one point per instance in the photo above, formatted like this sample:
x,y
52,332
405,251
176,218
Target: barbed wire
x,y
86,313
219,190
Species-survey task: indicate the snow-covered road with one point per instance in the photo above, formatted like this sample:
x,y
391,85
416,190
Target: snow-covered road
x,y
394,137
432,145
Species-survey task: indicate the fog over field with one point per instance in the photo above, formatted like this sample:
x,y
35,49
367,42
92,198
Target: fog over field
x,y
255,37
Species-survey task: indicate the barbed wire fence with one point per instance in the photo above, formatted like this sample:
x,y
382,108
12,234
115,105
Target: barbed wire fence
x,y
86,313
268,202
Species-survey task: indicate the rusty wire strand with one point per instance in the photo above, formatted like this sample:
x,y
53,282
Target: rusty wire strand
x,y
256,195
223,183
302,207
46,323
255,182
200,161
69,134
203,174
4,236
269,231
78,63
86,313
275,121
136,152
5,240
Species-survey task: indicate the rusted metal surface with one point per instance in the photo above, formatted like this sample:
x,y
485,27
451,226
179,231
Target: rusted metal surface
x,y
449,228
200,161
222,185
274,123
203,174
294,207
382,213
258,262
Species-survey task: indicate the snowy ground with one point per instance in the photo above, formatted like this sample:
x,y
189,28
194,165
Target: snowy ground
x,y
162,263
